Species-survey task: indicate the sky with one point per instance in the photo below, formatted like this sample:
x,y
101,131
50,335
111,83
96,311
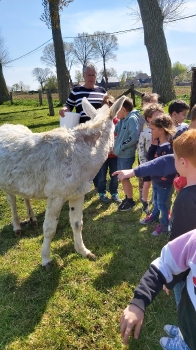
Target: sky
x,y
23,31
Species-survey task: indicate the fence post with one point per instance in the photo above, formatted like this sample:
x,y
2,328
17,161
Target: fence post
x,y
133,94
11,98
193,88
50,104
40,97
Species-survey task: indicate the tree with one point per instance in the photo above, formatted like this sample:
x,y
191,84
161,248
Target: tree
x,y
104,46
52,83
83,48
154,39
111,72
171,9
179,69
49,56
4,59
78,76
15,87
41,75
52,18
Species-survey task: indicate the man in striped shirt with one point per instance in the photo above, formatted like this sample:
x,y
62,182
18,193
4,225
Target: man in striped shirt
x,y
93,93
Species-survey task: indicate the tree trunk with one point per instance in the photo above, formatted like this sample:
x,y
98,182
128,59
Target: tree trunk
x,y
154,39
105,74
4,93
61,68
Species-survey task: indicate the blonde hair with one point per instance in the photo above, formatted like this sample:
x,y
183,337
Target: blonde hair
x,y
185,146
164,121
150,108
147,98
108,100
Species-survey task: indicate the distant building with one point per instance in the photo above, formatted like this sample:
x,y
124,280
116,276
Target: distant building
x,y
112,82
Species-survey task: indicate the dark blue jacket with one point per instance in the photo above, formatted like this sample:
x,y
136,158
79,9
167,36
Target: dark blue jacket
x,y
157,168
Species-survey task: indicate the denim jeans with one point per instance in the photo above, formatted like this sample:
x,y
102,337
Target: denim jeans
x,y
125,163
177,291
111,164
160,199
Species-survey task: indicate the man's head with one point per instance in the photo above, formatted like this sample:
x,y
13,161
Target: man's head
x,y
178,110
185,152
127,107
152,110
90,75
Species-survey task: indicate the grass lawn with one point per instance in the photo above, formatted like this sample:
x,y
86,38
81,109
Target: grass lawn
x,y
78,303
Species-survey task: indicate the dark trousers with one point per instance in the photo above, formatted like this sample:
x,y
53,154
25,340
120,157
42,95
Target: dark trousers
x,y
111,164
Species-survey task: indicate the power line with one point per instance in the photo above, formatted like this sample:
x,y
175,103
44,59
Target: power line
x,y
91,35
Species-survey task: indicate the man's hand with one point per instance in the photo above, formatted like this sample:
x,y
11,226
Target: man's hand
x,y
62,111
124,174
132,317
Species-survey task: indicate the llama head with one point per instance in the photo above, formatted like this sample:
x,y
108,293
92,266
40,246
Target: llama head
x,y
104,112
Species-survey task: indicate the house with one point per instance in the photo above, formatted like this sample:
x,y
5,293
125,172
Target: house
x,y
112,82
130,81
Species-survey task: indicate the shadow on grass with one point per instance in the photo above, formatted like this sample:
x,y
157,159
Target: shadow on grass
x,y
22,307
23,111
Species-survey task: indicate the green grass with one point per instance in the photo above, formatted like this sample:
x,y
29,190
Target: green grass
x,y
78,303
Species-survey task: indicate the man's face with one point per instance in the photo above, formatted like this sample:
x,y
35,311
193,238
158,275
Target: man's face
x,y
90,78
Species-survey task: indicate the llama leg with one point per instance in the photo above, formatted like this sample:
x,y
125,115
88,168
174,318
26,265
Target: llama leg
x,y
30,212
75,216
53,210
15,219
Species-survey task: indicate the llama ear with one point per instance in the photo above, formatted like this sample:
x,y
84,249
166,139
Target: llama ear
x,y
117,106
89,110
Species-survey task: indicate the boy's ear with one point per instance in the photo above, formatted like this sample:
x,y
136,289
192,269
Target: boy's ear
x,y
184,162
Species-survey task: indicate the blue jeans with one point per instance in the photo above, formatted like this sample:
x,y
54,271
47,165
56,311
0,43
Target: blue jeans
x,y
177,291
125,163
111,164
160,199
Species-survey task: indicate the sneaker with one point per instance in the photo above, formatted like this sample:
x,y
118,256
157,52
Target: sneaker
x,y
116,198
122,203
171,330
104,199
127,205
145,207
171,343
148,220
160,230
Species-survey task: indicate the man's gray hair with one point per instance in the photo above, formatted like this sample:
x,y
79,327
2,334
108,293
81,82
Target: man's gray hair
x,y
91,66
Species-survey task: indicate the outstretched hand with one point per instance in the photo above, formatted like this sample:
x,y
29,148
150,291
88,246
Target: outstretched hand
x,y
124,174
132,317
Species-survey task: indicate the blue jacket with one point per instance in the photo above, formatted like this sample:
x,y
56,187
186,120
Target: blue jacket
x,y
127,131
156,168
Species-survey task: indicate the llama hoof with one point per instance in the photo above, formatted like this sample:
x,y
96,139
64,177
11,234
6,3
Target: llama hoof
x,y
48,266
17,233
33,222
91,256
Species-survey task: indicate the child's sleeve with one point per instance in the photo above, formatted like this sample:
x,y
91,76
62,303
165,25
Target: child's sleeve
x,y
172,264
141,149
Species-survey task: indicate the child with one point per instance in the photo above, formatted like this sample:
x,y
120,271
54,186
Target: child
x,y
162,128
178,110
180,181
125,146
177,261
147,98
111,164
151,111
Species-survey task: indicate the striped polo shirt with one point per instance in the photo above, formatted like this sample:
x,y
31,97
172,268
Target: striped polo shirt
x,y
94,96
